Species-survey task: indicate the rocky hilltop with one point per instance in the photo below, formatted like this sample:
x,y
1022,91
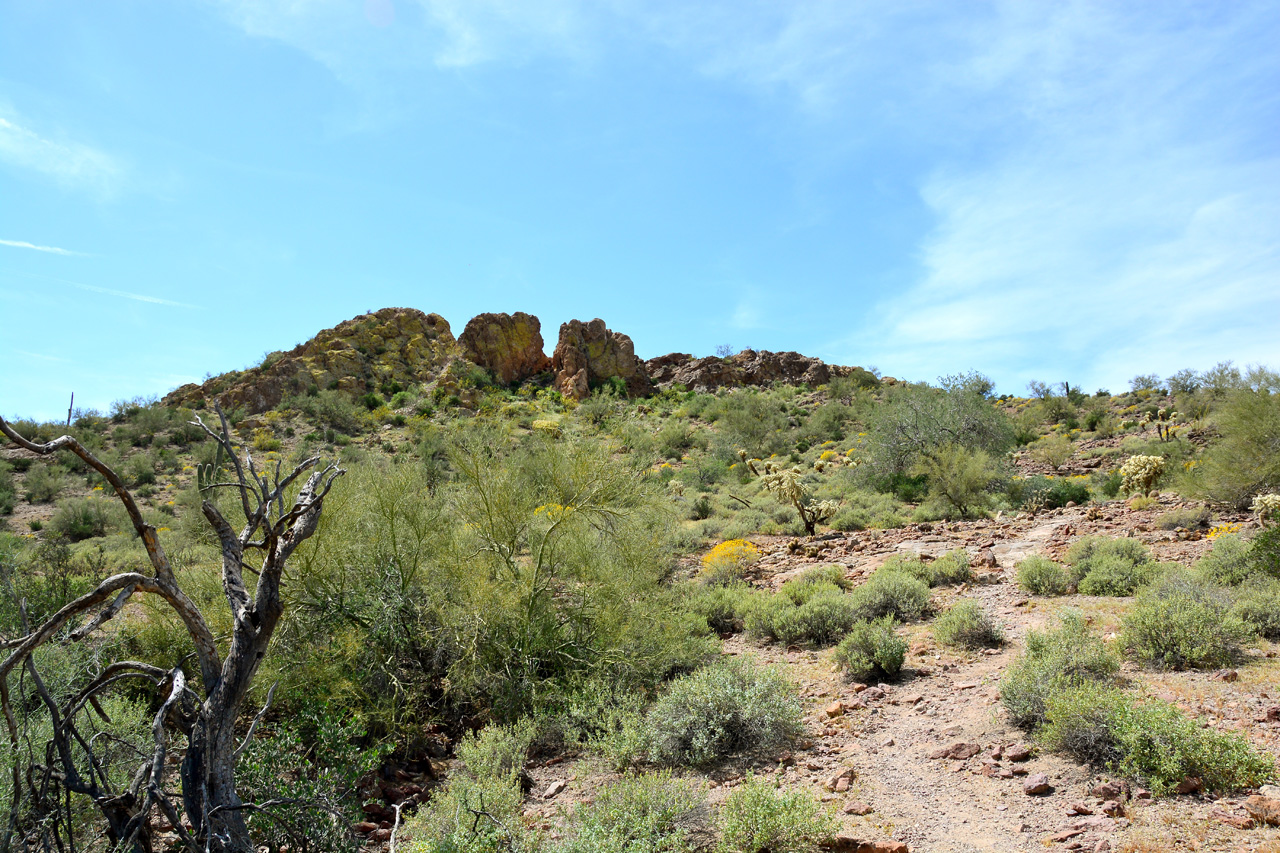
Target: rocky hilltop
x,y
397,348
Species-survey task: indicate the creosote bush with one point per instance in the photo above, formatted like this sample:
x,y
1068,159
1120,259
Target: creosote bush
x,y
1257,604
968,626
890,593
758,817
1116,567
639,813
734,705
949,569
1069,655
1039,575
1183,623
871,651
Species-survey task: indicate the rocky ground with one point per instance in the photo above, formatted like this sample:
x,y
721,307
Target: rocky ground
x,y
929,762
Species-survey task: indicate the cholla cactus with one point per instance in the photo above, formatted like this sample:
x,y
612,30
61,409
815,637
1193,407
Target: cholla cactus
x,y
1267,507
786,484
1139,474
1165,426
675,488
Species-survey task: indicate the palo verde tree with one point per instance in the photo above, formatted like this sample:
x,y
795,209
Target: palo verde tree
x,y
280,511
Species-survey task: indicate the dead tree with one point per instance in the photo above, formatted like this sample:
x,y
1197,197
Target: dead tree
x,y
204,711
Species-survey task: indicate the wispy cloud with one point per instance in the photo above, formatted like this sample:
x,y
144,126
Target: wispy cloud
x,y
22,244
107,291
71,164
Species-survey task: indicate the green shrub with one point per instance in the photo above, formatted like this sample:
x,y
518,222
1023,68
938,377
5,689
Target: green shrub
x,y
1042,492
8,491
43,483
960,481
77,519
1039,575
813,581
967,625
479,809
1257,604
949,569
724,607
890,593
1244,462
1229,562
758,817
1191,519
649,813
863,509
1117,566
727,707
1149,741
1078,721
1069,655
871,650
1184,623
1161,747
825,615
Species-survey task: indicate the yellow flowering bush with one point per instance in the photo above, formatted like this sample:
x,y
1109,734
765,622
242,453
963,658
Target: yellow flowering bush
x,y
553,512
729,561
827,455
1223,529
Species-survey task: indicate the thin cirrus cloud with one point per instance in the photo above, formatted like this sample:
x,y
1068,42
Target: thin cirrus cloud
x,y
71,164
52,250
107,291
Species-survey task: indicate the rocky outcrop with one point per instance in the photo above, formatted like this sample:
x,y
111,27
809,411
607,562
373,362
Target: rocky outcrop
x,y
588,355
507,345
394,346
749,367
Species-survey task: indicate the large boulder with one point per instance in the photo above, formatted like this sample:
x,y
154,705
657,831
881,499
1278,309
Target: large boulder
x,y
375,351
588,355
507,345
749,367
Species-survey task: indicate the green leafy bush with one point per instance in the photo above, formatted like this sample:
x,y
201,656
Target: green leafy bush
x,y
967,625
1110,566
1257,604
890,593
1039,575
949,569
724,607
1043,492
1149,741
960,481
650,813
1244,462
758,817
1184,623
478,811
825,615
1066,656
1229,562
871,650
1191,519
43,483
1161,747
8,491
731,706
77,519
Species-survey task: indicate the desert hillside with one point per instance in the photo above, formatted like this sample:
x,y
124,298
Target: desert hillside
x,y
558,598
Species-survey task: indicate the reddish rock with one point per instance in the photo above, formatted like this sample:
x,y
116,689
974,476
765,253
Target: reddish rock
x,y
1263,809
1233,820
507,345
835,709
1108,790
749,367
1036,784
1188,786
857,807
589,355
1018,753
1113,808
843,777
554,788
1079,808
956,751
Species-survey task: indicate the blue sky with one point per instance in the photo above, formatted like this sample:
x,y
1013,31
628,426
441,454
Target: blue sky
x,y
1058,190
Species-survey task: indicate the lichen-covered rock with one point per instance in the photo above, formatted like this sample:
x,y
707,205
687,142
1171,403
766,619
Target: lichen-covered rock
x,y
749,367
394,346
588,355
507,345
